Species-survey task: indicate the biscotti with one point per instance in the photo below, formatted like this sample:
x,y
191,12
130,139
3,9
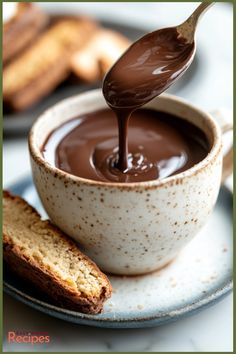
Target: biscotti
x,y
41,254
26,22
92,61
43,66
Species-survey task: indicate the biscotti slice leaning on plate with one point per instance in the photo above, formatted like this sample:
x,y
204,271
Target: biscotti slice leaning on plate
x,y
40,253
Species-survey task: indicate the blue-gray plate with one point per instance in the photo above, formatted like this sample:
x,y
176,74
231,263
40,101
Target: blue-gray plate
x,y
199,277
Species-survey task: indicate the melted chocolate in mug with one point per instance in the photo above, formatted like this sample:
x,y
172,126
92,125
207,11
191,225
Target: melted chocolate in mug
x,y
156,145
147,68
159,145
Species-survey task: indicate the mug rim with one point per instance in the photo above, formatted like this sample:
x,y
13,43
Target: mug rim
x,y
174,179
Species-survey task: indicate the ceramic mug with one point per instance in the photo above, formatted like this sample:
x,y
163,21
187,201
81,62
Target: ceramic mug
x,y
129,228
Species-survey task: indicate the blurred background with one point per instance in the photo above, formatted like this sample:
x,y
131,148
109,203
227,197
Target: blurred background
x,y
208,84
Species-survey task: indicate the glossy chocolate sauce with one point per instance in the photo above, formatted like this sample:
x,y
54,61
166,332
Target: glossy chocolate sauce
x,y
151,144
159,146
147,68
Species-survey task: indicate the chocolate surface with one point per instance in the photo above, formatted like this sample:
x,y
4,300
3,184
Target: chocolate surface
x,y
159,146
144,71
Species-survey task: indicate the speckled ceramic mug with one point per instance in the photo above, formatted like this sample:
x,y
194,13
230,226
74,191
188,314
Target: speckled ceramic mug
x,y
128,228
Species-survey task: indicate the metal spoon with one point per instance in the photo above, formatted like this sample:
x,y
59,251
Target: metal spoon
x,y
188,28
152,64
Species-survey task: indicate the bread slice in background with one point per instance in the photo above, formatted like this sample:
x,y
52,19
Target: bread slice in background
x,y
46,63
19,32
40,253
95,58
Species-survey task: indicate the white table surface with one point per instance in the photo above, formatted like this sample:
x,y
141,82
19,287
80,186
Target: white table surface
x,y
210,330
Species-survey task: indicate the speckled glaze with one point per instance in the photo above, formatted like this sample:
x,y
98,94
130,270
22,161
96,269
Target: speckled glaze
x,y
130,228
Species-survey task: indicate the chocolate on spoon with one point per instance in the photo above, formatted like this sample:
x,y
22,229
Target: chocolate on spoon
x,y
145,70
152,64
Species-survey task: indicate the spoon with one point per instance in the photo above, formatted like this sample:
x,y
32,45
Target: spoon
x,y
152,64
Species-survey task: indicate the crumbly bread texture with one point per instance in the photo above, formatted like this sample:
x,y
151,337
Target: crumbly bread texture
x,y
46,63
22,29
94,59
44,256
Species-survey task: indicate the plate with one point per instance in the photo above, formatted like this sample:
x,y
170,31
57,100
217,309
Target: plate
x,y
20,123
200,276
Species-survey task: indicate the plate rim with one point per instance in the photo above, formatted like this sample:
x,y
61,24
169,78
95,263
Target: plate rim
x,y
167,315
109,319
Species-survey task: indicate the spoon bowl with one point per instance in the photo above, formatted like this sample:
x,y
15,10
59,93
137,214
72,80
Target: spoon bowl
x,y
152,64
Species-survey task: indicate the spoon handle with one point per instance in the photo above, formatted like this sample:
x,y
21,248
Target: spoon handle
x,y
200,10
188,27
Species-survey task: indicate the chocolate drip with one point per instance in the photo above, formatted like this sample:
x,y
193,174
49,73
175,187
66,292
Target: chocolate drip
x,y
147,68
159,145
